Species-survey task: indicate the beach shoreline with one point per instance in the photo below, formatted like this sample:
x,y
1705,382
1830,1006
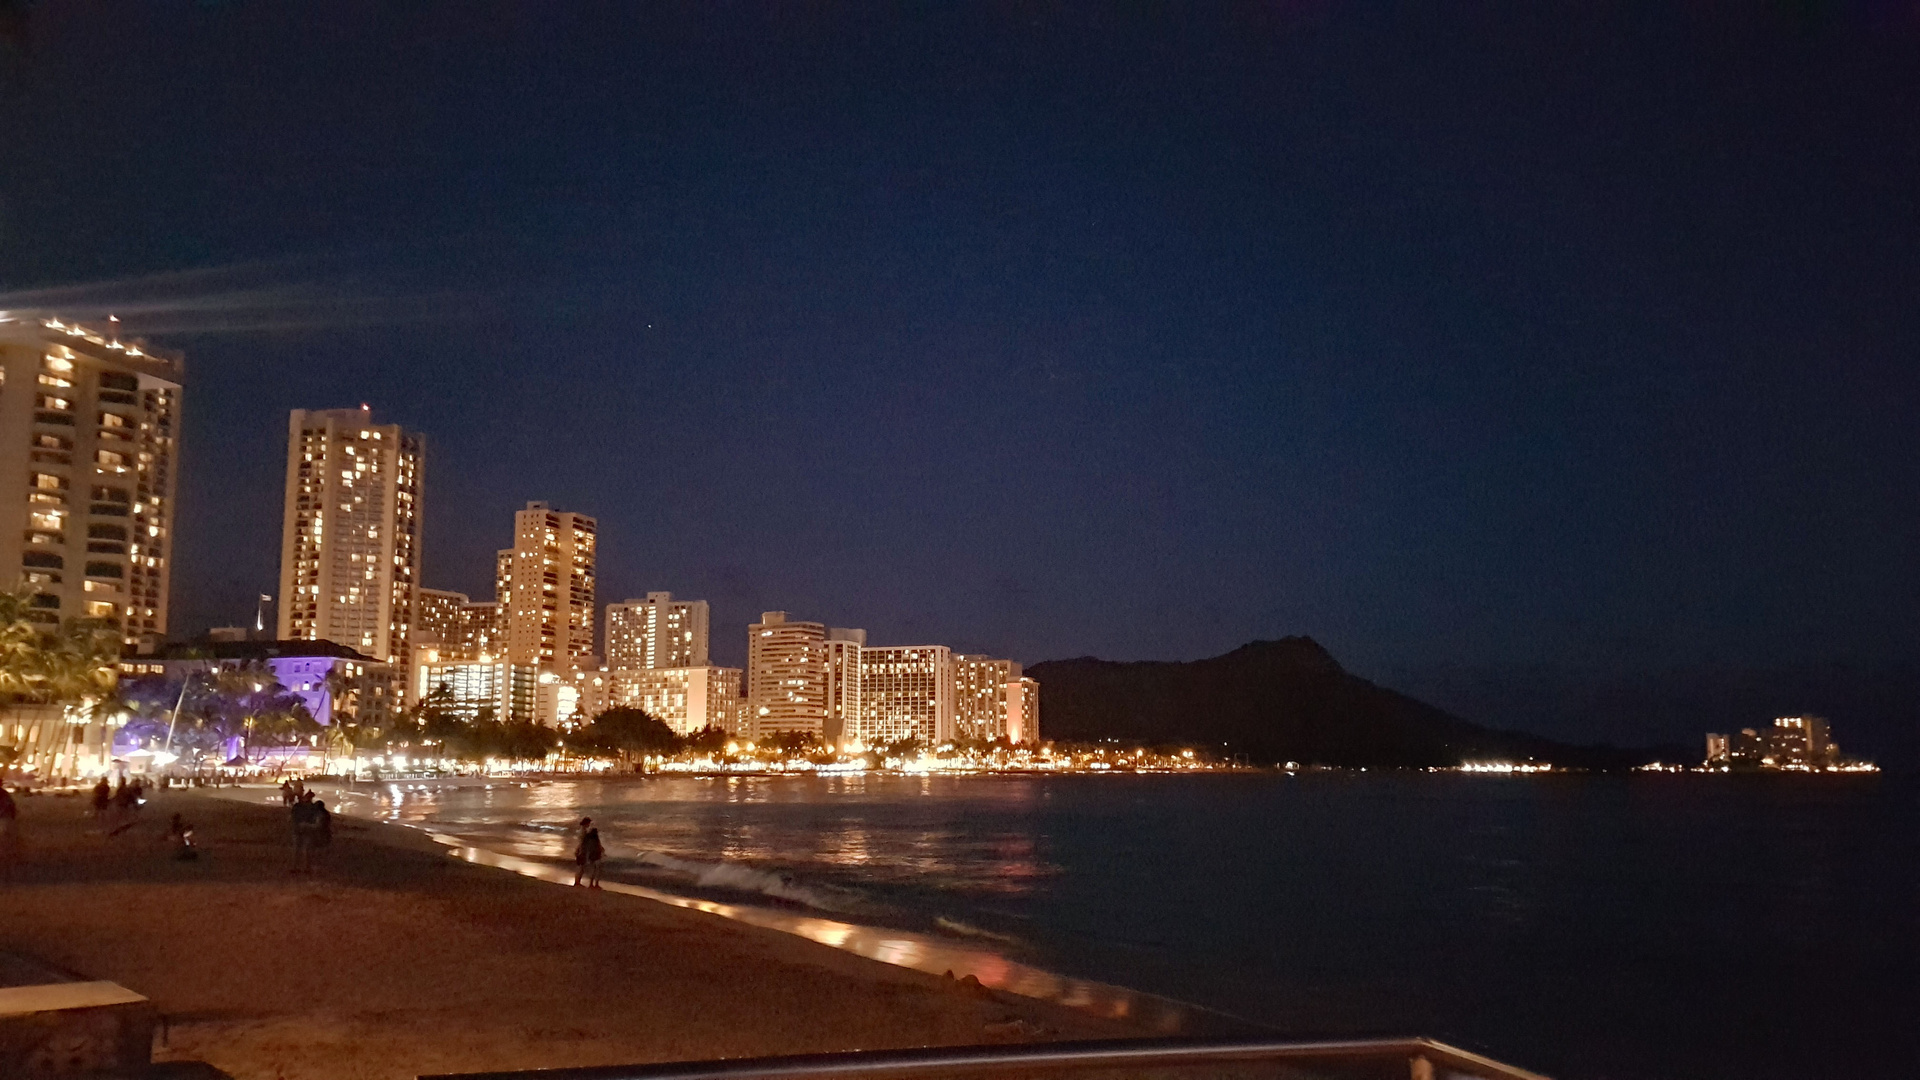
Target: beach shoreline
x,y
988,966
394,959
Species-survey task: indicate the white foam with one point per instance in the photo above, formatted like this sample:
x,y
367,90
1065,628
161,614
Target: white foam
x,y
955,926
739,878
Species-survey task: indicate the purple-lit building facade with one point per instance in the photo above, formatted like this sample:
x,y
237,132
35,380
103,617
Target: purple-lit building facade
x,y
302,667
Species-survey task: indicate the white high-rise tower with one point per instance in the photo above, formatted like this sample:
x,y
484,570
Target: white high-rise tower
x,y
350,540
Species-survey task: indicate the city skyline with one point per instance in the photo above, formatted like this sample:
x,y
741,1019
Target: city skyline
x,y
767,539
471,646
1559,378
353,567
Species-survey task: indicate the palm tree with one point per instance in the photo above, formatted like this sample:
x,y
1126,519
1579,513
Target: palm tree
x,y
342,693
73,666
251,702
281,719
19,644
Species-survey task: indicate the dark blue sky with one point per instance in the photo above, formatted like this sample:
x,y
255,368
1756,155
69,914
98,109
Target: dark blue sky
x,y
1554,362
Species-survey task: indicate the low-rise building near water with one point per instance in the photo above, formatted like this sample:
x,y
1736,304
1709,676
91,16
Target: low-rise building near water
x,y
1793,744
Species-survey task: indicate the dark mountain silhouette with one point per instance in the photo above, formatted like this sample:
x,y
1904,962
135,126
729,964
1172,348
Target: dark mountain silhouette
x,y
1285,700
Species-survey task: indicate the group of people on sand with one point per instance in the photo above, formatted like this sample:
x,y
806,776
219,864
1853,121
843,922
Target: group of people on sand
x,y
119,803
312,824
116,805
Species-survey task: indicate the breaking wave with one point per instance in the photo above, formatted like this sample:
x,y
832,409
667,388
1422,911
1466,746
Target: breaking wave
x,y
955,926
747,879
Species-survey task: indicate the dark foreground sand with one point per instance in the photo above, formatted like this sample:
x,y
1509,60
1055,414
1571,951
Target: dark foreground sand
x,y
395,959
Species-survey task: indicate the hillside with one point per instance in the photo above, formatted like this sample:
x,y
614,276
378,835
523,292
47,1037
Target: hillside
x,y
1285,700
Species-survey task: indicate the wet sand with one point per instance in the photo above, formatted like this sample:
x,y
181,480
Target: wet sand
x,y
395,960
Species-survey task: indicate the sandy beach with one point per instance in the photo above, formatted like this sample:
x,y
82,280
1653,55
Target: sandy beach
x,y
395,960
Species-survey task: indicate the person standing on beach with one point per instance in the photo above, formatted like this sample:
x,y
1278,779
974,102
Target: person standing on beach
x,y
9,829
102,797
587,854
322,826
306,825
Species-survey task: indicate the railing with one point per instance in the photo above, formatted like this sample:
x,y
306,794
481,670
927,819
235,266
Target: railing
x,y
1350,1059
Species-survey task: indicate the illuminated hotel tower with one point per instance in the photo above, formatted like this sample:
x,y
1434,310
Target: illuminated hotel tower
x,y
658,632
458,628
906,692
350,541
986,695
89,429
1023,711
843,683
786,677
546,590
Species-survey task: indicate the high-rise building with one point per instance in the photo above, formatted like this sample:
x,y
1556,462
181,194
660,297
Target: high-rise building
x,y
350,538
685,699
470,686
462,629
89,430
547,602
843,683
980,697
449,630
435,614
1023,711
906,692
658,632
786,677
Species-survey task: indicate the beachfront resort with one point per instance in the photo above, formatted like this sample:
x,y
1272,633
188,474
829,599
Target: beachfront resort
x,y
355,650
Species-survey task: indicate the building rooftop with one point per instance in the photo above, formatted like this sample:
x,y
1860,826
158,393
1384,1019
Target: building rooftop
x,y
204,649
100,343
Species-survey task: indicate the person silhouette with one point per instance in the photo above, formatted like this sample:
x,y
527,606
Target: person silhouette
x,y
587,855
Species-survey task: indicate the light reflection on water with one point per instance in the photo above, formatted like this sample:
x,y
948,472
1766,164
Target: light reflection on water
x,y
1584,926
900,948
851,834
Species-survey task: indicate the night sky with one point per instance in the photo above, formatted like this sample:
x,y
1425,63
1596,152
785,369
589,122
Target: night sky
x,y
1553,362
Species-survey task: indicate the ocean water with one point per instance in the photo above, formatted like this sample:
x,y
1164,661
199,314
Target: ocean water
x,y
1585,927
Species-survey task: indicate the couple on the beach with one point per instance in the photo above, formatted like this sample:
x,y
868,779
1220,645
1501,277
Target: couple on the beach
x,y
587,854
312,830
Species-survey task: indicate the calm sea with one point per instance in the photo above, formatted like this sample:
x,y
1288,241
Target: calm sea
x,y
1586,927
